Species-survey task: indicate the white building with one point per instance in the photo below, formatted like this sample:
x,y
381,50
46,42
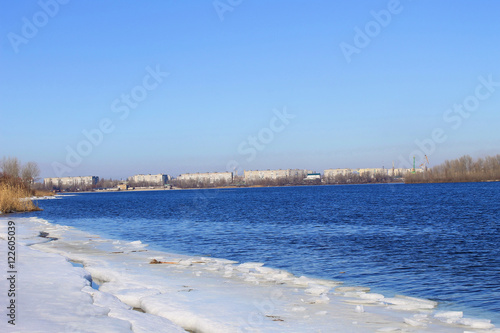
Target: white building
x,y
159,179
264,175
374,171
207,177
331,173
313,176
71,181
393,172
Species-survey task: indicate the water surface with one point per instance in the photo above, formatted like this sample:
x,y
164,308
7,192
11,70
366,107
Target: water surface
x,y
437,241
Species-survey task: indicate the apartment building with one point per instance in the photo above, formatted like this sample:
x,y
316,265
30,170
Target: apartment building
x,y
158,179
393,172
79,181
252,176
207,177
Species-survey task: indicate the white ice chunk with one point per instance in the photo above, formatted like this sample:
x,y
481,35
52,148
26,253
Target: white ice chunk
x,y
450,317
250,265
449,314
476,323
347,289
414,323
418,320
140,322
371,296
410,303
302,281
317,290
138,244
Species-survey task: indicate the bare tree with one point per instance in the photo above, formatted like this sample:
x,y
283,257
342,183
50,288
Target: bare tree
x,y
11,166
30,173
463,169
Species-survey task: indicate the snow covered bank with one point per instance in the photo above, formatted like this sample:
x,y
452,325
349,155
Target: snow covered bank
x,y
49,197
51,295
199,294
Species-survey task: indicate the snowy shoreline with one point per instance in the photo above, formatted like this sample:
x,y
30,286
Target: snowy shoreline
x,y
175,293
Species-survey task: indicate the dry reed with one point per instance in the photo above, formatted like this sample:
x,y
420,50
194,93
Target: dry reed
x,y
15,198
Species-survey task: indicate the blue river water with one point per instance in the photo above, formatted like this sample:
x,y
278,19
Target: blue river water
x,y
436,241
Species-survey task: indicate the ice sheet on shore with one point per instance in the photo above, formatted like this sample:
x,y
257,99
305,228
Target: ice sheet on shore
x,y
196,293
53,296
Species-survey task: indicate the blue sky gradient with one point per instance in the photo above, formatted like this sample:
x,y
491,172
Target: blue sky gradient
x,y
227,79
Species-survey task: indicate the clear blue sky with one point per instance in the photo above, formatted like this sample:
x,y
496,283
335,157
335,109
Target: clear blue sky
x,y
231,68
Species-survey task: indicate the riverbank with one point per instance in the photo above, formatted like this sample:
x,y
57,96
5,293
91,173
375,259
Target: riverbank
x,y
46,293
229,187
199,294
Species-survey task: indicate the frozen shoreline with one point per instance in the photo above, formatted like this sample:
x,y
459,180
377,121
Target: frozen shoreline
x,y
196,293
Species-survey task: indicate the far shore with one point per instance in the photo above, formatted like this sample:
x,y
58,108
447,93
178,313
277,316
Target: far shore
x,y
113,190
142,189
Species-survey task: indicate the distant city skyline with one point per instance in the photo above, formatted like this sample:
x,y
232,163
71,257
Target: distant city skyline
x,y
117,89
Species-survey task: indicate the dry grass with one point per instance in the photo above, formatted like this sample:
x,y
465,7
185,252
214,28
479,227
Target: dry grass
x,y
42,193
14,198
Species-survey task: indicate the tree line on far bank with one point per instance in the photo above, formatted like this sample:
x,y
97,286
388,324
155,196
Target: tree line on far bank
x,y
463,169
239,181
364,178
